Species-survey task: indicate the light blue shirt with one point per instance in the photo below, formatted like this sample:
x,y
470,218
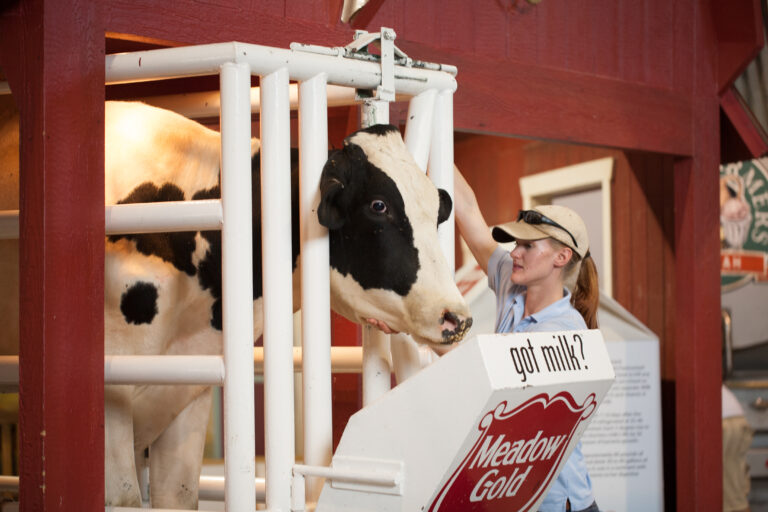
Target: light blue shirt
x,y
573,482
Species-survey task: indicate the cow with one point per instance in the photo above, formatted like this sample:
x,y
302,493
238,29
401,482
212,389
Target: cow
x,y
162,291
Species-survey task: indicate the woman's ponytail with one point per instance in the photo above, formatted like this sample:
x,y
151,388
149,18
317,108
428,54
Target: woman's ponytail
x,y
586,294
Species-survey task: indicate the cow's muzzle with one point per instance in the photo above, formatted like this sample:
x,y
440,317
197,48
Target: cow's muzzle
x,y
454,327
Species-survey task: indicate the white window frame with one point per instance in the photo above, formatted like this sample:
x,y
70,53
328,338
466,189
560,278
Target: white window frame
x,y
541,187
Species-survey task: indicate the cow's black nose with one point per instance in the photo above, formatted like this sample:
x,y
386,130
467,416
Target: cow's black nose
x,y
453,327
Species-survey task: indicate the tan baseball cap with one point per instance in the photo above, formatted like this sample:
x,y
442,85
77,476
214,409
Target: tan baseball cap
x,y
546,221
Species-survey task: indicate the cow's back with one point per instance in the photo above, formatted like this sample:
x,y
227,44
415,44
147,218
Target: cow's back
x,y
145,144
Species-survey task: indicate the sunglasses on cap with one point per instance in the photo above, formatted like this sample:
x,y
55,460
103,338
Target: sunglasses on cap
x,y
534,217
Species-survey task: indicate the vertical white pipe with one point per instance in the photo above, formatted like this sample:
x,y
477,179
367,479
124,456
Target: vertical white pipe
x,y
315,282
374,112
377,372
278,300
376,369
407,356
237,286
441,166
418,129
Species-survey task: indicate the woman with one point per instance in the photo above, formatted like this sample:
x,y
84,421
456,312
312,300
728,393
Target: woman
x,y
552,249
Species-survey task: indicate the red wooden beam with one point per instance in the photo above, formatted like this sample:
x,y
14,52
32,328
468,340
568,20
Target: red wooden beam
x,y
743,120
739,29
181,22
499,96
52,52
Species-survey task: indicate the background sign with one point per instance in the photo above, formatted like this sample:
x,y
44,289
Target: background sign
x,y
622,445
743,222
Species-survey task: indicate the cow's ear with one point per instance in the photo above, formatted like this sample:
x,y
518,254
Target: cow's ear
x,y
445,206
330,212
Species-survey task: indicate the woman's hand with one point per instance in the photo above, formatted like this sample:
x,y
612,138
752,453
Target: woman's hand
x,y
382,326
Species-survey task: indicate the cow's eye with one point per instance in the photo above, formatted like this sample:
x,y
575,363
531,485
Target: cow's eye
x,y
378,206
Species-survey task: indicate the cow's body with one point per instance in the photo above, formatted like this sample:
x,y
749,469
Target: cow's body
x,y
163,291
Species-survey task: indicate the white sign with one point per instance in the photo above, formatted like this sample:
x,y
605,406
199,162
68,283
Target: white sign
x,y
486,427
622,445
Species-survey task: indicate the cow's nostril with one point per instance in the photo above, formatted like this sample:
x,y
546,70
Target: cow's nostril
x,y
454,328
450,321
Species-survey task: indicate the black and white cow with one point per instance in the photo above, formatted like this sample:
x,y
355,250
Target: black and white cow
x,y
163,291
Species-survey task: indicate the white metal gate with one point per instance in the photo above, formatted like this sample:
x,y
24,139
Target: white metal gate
x,y
321,73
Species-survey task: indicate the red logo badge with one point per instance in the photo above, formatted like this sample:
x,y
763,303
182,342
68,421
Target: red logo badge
x,y
515,456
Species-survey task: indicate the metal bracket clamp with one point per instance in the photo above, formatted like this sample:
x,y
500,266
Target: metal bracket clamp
x,y
358,49
389,53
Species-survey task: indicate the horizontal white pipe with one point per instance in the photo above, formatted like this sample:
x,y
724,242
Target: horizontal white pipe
x,y
135,509
212,489
9,372
162,217
300,65
343,359
198,105
118,369
9,483
9,224
384,479
163,370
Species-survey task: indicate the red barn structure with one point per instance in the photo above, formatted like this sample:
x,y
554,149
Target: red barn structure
x,y
643,81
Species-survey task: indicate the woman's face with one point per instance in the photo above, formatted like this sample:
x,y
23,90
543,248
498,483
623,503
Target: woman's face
x,y
534,262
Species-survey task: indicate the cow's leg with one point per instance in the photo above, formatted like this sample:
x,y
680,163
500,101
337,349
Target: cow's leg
x,y
176,457
120,482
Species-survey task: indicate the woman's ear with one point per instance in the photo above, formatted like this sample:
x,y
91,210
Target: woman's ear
x,y
563,256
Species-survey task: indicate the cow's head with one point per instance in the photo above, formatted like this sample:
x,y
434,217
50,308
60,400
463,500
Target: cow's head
x,y
382,213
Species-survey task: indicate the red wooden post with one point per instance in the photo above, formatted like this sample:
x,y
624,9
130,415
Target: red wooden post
x,y
53,54
697,339
697,330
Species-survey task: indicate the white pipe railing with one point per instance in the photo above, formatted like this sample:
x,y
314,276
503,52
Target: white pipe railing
x,y
205,214
199,105
165,217
277,282
419,126
377,368
236,62
237,286
300,65
441,166
381,478
164,369
9,224
315,278
211,488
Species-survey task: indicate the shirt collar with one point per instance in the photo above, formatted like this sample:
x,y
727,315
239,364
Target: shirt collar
x,y
553,310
